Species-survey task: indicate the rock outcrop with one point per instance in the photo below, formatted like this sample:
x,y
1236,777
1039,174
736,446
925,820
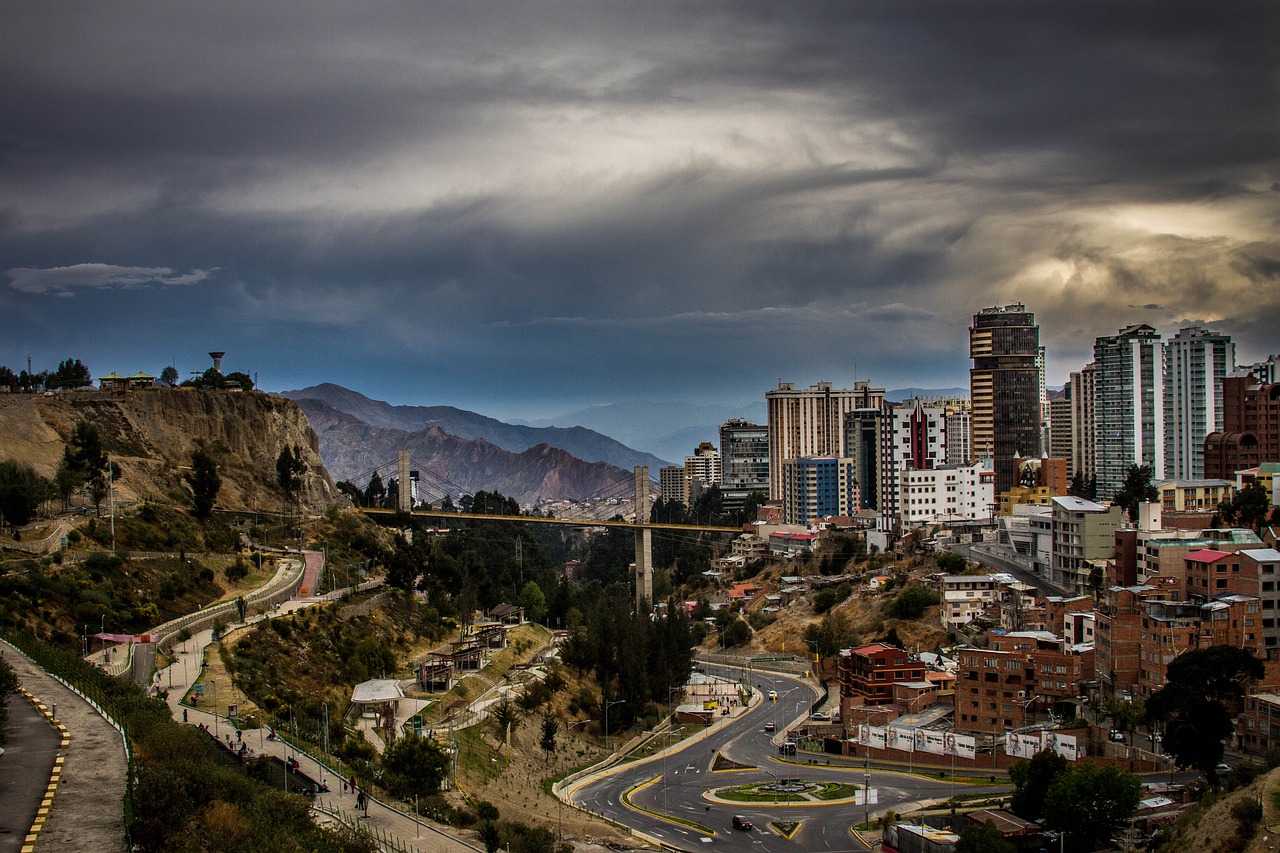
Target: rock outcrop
x,y
151,434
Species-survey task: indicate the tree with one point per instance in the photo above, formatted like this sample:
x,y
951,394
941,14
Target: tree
x,y
70,374
375,493
506,716
1137,489
490,836
1032,780
1091,804
8,686
87,461
911,602
289,470
550,728
1201,697
1248,507
984,838
951,562
833,633
205,483
736,633
169,376
22,491
1124,716
238,379
413,765
534,602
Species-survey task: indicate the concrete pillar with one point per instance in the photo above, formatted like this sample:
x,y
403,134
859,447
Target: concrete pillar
x,y
404,500
644,541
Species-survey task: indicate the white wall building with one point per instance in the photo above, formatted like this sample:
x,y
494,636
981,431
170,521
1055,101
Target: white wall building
x,y
946,493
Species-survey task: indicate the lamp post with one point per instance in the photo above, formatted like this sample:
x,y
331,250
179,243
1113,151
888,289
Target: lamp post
x,y
607,706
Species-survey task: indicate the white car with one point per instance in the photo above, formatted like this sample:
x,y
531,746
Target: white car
x,y
773,696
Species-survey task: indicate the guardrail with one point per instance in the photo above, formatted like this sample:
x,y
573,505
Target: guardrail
x,y
258,602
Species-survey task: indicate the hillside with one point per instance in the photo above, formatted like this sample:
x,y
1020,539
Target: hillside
x,y
151,434
585,444
352,448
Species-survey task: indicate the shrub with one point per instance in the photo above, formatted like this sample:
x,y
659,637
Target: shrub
x,y
911,602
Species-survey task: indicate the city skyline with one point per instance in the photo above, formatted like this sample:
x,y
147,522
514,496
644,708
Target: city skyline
x,y
530,210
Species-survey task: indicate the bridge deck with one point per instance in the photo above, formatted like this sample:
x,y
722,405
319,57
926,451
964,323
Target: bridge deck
x,y
564,522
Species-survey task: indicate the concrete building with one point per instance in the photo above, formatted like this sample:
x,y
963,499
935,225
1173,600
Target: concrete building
x,y
671,482
946,493
913,439
1129,406
701,471
868,673
1193,495
960,436
818,486
810,422
1258,728
1005,388
863,443
1061,435
964,598
744,462
1195,363
1083,535
1250,432
1082,389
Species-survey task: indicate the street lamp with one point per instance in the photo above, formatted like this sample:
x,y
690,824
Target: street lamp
x,y
608,705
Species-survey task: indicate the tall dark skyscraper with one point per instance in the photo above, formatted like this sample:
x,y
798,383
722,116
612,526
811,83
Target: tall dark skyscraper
x,y
1004,386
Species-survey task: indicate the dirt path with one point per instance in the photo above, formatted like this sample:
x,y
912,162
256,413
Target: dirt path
x,y
87,812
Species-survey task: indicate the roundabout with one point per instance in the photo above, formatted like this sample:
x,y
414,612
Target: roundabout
x,y
787,792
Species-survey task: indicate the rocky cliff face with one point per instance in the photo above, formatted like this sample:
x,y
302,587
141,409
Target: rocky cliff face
x,y
152,433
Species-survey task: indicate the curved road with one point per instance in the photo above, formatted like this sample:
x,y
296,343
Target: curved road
x,y
675,781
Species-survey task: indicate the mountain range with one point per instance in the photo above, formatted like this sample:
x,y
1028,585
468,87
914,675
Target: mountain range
x,y
470,451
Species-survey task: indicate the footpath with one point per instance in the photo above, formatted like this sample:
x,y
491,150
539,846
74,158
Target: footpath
x,y
380,818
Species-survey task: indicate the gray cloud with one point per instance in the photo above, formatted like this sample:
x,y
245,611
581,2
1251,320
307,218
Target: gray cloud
x,y
554,200
65,281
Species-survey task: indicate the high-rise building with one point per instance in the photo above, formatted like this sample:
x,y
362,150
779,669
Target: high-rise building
x,y
1265,372
810,422
817,486
1128,406
671,483
1195,363
960,436
701,471
744,462
1004,388
1061,436
863,437
915,439
1082,390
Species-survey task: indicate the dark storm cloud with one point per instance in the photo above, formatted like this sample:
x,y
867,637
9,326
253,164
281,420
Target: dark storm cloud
x,y
657,199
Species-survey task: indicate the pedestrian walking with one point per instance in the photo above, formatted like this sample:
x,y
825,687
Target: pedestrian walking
x,y
184,715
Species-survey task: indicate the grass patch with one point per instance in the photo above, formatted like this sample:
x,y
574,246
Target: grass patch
x,y
835,791
754,796
785,828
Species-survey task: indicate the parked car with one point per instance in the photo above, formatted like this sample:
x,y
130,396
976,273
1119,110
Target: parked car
x,y
740,822
1117,736
1222,769
820,717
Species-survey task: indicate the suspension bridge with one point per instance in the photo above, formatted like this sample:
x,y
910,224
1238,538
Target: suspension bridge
x,y
434,488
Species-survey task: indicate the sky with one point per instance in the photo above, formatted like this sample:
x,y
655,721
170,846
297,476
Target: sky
x,y
526,208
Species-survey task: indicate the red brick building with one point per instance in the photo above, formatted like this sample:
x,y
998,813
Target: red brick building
x,y
1250,428
867,674
1021,677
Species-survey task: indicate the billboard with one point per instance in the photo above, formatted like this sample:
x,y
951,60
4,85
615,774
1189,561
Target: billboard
x,y
902,739
1064,745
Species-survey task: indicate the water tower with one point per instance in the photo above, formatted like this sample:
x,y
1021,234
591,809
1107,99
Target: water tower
x,y
217,361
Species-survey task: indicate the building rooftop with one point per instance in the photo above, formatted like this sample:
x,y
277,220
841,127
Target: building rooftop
x,y
1075,504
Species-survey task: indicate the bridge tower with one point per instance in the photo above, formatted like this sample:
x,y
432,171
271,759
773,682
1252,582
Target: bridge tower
x,y
644,541
404,496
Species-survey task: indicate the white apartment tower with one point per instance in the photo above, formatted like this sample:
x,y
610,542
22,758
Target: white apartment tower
x,y
1195,361
1128,405
810,422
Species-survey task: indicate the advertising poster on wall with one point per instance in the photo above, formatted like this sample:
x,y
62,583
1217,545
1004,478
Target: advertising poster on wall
x,y
1064,745
879,737
935,742
902,739
964,746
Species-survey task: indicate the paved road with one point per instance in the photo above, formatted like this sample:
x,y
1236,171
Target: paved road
x,y
87,812
1005,560
676,780
32,745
